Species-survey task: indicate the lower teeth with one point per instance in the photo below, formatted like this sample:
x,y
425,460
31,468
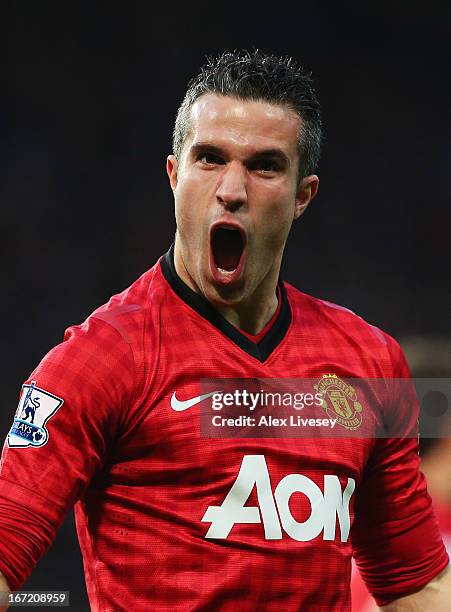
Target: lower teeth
x,y
226,271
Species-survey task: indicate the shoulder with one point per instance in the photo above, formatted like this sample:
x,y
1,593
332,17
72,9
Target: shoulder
x,y
127,311
126,315
124,329
347,328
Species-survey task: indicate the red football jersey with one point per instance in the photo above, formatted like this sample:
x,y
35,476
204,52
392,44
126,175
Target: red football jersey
x,y
169,519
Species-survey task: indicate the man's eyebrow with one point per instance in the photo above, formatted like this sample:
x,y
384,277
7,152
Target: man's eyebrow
x,y
206,146
273,153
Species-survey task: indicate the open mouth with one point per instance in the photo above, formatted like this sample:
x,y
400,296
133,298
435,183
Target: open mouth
x,y
227,243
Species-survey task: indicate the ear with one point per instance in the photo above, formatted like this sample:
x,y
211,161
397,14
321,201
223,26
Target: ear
x,y
307,190
171,169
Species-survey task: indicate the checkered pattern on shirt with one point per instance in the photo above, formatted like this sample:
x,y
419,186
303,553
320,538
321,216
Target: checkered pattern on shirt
x,y
144,476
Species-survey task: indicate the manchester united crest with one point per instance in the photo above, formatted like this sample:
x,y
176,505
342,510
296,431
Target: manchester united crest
x,y
340,401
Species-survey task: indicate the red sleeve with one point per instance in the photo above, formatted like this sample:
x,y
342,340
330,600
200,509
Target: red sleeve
x,y
395,536
69,413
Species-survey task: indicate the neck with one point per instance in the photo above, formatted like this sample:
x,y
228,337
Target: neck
x,y
250,314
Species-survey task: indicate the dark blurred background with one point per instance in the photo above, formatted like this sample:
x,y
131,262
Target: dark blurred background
x,y
86,126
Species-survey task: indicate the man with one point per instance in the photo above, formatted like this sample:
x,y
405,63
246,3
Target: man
x,y
167,518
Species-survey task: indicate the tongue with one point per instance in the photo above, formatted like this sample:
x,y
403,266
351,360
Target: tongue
x,y
227,249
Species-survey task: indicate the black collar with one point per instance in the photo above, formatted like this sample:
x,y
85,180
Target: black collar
x,y
261,350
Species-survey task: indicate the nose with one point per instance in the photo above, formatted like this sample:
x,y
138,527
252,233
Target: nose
x,y
231,191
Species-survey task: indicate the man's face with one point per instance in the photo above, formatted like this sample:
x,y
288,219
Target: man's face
x,y
236,196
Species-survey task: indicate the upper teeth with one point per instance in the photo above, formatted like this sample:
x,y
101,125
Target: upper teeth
x,y
227,227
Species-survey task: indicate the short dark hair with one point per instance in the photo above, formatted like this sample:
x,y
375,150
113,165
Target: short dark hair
x,y
255,75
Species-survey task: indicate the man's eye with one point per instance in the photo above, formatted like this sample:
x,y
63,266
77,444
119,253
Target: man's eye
x,y
209,158
265,165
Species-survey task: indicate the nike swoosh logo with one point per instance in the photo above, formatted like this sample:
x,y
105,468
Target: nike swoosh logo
x,y
179,406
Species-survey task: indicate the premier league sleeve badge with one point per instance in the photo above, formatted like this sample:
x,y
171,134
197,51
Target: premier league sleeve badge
x,y
35,408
